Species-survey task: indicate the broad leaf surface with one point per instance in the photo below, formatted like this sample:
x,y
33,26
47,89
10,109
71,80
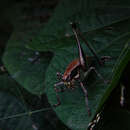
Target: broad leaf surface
x,y
58,38
19,60
9,106
8,85
18,112
73,110
91,15
106,40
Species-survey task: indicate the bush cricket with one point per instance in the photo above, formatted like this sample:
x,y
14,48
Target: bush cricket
x,y
73,70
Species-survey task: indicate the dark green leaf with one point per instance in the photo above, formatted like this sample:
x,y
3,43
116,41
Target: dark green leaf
x,y
73,110
91,15
106,40
9,106
27,67
21,64
115,120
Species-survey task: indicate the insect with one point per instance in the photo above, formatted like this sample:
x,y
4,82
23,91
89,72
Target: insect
x,y
80,65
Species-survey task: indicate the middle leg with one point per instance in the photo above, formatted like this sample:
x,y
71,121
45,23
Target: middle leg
x,y
97,73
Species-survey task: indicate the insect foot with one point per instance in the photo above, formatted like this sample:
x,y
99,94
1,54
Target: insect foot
x,y
105,59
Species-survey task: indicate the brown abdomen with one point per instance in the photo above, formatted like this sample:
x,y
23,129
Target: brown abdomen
x,y
73,66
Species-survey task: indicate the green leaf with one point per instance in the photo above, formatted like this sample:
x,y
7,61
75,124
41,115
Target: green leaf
x,y
17,59
19,62
8,85
23,112
9,105
73,110
91,15
121,63
107,32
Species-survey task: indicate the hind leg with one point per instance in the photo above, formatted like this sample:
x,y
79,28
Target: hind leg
x,y
86,97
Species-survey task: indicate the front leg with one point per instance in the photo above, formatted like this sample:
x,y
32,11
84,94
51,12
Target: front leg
x,y
105,58
57,90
